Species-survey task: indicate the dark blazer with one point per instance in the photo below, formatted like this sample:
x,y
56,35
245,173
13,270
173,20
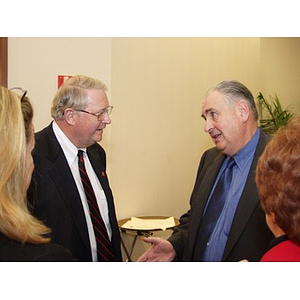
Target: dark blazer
x,y
55,199
249,237
15,251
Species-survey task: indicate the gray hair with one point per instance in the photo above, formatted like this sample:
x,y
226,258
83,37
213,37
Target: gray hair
x,y
235,90
72,94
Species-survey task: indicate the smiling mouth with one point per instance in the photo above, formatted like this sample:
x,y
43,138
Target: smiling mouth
x,y
215,136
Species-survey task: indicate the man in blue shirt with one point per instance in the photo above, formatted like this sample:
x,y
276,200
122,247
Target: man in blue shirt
x,y
240,230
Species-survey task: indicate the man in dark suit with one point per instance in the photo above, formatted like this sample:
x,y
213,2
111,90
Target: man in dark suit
x,y
239,230
57,194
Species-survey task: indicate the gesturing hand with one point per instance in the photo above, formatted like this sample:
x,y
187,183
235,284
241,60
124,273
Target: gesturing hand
x,y
161,250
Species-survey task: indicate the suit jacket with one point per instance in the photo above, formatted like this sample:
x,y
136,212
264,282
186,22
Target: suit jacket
x,y
249,236
55,199
11,250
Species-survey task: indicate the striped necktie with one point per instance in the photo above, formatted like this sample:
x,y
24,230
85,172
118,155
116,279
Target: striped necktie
x,y
104,247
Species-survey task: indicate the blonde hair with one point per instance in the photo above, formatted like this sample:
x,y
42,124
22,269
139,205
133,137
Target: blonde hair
x,y
72,94
16,222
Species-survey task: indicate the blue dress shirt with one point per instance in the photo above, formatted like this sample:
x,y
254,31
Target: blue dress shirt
x,y
217,242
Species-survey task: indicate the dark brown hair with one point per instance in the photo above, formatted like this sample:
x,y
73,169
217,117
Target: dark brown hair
x,y
27,111
278,179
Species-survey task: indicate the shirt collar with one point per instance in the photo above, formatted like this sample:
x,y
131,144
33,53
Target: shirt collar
x,y
246,153
278,240
69,149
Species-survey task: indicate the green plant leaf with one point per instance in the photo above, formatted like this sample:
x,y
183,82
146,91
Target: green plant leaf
x,y
275,116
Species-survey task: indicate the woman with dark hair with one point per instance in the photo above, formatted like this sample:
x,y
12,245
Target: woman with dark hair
x,y
278,183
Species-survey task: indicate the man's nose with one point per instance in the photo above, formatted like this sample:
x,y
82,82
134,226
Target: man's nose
x,y
107,119
208,126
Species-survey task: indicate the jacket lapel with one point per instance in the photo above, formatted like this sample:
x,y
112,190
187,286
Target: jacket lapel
x,y
99,169
202,190
247,204
63,178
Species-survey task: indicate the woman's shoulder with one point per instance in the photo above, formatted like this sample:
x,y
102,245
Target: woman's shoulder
x,y
286,250
14,251
52,252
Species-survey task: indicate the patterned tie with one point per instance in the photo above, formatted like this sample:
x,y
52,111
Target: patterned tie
x,y
104,248
214,209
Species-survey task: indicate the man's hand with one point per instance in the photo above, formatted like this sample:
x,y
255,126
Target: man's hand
x,y
161,250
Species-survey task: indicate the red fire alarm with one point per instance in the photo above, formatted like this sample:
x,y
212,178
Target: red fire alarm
x,y
62,79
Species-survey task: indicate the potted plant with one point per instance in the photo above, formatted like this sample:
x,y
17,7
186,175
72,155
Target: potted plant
x,y
275,116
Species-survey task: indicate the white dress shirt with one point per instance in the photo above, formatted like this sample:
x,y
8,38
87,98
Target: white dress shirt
x,y
70,152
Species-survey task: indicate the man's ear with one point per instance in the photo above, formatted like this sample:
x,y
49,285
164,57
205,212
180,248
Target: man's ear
x,y
243,110
69,114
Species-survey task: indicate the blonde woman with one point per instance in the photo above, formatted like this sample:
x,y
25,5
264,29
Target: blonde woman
x,y
22,236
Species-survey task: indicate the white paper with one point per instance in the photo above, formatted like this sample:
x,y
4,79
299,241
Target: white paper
x,y
149,224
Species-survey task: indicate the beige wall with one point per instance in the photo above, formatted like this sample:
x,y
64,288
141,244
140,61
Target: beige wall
x,y
35,63
280,69
157,135
156,86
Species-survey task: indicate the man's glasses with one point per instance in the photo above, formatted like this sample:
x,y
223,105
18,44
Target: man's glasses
x,y
20,92
100,115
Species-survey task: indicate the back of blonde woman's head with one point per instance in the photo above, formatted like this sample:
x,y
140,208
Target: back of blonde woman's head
x,y
13,144
15,122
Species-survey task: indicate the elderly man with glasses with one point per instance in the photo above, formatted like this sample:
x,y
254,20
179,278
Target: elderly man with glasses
x,y
70,191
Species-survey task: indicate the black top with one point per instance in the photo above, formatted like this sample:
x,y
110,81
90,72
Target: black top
x,y
278,240
14,251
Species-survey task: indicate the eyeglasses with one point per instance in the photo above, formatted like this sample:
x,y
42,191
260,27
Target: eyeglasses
x,y
20,92
100,115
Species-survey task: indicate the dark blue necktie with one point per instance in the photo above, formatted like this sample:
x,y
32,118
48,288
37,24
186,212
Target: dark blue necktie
x,y
214,209
104,247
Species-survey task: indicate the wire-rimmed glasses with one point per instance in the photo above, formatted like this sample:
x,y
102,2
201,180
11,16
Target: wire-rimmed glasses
x,y
100,115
